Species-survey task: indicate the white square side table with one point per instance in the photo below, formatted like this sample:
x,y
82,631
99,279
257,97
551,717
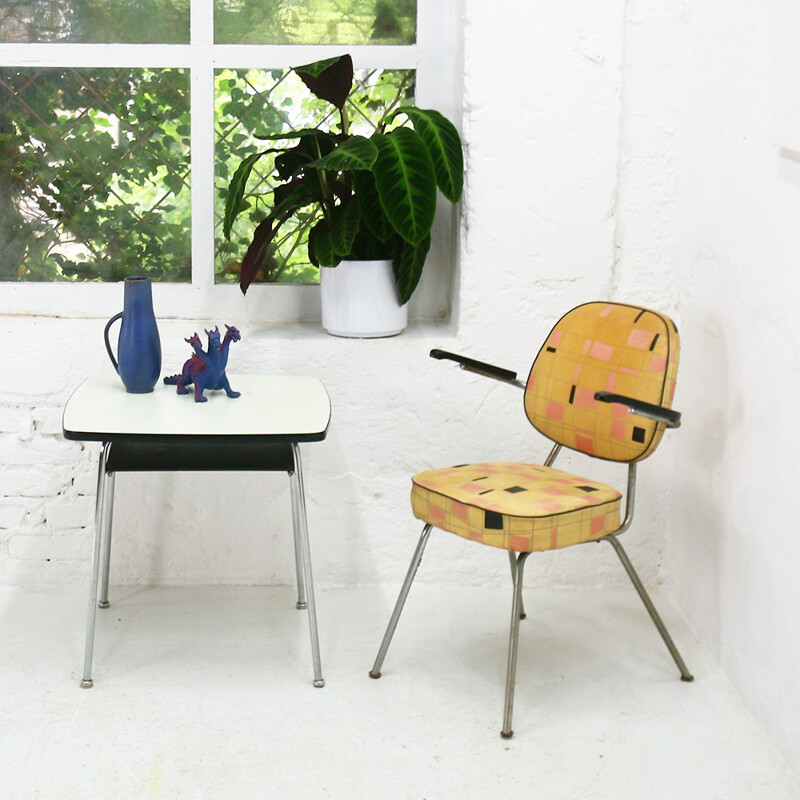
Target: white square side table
x,y
260,430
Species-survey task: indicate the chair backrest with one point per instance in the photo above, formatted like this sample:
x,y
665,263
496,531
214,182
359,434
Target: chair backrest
x,y
610,347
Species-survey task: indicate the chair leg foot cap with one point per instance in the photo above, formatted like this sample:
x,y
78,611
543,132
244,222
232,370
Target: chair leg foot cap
x,y
319,683
301,605
687,678
87,684
374,674
103,604
506,734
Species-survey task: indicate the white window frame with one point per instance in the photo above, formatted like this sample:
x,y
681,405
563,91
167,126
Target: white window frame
x,y
438,61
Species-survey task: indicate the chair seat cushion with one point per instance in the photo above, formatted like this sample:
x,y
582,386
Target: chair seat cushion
x,y
518,507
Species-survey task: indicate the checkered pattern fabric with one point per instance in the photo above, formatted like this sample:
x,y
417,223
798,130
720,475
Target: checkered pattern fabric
x,y
609,347
627,350
518,507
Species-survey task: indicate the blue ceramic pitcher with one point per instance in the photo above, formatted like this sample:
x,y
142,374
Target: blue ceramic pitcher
x,y
139,347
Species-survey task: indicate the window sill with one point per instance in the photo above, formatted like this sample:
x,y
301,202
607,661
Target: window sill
x,y
274,312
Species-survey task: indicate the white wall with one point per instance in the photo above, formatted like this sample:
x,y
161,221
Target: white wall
x,y
614,149
734,546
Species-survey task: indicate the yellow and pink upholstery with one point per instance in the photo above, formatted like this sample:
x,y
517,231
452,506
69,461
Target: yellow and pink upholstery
x,y
607,347
519,507
627,350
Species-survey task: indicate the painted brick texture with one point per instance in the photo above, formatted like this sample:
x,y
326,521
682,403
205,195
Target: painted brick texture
x,y
541,232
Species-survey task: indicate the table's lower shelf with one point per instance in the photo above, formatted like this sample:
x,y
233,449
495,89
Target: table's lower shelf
x,y
198,454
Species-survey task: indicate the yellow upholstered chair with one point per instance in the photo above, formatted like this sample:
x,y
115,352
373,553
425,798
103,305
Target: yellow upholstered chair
x,y
602,384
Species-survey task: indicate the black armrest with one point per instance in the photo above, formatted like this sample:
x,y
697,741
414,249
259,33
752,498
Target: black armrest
x,y
672,419
480,367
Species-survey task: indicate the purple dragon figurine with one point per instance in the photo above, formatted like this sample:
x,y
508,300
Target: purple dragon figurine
x,y
206,370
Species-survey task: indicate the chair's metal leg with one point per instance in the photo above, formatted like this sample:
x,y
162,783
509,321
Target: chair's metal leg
x,y
298,551
108,518
513,561
87,682
375,672
305,553
651,609
513,641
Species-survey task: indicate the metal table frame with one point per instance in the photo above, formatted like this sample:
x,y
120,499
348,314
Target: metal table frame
x,y
159,431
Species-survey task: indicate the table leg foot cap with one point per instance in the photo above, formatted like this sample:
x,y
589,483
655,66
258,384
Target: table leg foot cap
x,y
87,683
301,604
319,683
103,604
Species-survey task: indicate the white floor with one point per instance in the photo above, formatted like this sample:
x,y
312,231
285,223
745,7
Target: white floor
x,y
206,693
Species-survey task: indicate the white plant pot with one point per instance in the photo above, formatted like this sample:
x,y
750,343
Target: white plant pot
x,y
359,300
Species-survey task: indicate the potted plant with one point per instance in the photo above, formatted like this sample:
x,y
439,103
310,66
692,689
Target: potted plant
x,y
371,199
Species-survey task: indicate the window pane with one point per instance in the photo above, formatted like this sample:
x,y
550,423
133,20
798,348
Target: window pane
x,y
252,103
315,21
94,174
129,21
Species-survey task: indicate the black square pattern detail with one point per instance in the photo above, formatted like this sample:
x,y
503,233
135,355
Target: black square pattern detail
x,y
515,489
493,521
638,435
587,488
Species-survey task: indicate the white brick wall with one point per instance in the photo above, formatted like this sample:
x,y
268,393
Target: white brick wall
x,y
38,547
540,234
46,504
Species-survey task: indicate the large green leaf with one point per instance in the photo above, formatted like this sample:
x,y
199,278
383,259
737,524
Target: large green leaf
x,y
303,132
371,209
291,197
367,248
257,254
309,148
236,191
409,259
292,163
355,152
444,144
344,224
330,79
406,183
320,247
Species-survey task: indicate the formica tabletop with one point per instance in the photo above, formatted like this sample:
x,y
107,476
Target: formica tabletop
x,y
274,407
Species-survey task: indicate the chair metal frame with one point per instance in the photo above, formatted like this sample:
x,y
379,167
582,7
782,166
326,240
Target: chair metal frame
x,y
669,417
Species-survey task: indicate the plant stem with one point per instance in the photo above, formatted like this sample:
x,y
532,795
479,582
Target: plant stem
x,y
327,195
393,104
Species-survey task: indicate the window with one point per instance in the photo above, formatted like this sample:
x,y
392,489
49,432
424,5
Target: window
x,y
114,159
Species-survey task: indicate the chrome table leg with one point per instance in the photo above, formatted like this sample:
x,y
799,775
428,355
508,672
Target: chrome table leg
x,y
108,516
305,552
298,548
87,682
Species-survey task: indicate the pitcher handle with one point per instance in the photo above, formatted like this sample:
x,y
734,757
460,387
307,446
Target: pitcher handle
x,y
108,345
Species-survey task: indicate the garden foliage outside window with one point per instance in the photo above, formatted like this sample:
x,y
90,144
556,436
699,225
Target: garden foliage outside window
x,y
103,167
